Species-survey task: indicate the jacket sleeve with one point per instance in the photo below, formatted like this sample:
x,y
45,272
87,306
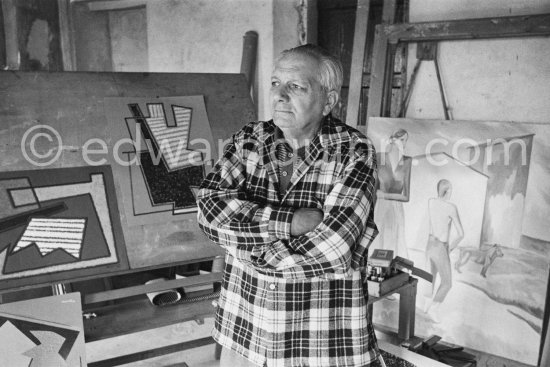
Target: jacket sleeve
x,y
348,222
226,215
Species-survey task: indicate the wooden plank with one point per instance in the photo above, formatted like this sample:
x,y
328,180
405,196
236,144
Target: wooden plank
x,y
114,273
139,315
388,17
65,31
500,27
248,59
379,63
3,62
407,309
399,289
150,288
388,11
115,5
10,32
545,349
357,61
414,358
388,76
397,81
152,353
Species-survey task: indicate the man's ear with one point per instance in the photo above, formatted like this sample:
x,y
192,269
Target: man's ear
x,y
332,99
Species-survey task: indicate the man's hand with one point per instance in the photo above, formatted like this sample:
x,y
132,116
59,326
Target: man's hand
x,y
305,220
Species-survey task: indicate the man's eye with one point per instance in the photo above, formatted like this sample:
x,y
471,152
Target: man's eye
x,y
296,86
274,83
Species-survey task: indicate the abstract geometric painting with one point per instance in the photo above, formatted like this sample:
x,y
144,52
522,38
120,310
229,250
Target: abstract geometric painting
x,y
166,152
42,332
58,222
170,148
468,201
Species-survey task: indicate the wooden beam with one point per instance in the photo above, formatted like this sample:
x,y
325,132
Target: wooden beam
x,y
10,32
396,82
149,288
501,27
248,59
357,61
3,62
66,35
380,66
139,315
152,353
115,5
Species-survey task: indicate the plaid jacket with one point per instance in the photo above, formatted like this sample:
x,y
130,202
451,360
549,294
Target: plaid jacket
x,y
293,301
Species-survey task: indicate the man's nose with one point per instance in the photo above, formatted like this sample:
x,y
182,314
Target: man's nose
x,y
280,93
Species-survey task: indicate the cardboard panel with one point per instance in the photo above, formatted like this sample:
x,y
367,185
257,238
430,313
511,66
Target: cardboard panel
x,y
43,332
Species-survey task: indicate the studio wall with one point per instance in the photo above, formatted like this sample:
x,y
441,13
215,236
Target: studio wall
x,y
496,79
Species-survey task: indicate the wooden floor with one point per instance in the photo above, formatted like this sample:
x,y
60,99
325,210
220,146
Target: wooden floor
x,y
133,343
204,356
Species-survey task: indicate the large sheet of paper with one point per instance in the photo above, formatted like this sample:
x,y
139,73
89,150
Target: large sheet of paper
x,y
490,290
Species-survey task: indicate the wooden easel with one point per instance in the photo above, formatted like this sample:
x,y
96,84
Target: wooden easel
x,y
388,36
426,51
358,56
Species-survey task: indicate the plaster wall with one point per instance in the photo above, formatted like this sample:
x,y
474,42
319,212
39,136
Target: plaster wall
x,y
207,37
286,16
496,80
194,36
92,39
128,29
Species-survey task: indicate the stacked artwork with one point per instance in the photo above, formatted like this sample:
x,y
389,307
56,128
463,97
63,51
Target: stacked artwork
x,y
468,201
100,185
58,223
43,332
129,149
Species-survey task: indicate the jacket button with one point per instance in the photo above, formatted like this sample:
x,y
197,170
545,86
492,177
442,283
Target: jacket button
x,y
272,286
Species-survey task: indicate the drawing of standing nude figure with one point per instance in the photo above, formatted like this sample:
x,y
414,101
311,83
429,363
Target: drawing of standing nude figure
x,y
393,188
442,214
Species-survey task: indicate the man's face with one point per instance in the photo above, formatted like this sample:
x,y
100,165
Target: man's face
x,y
298,102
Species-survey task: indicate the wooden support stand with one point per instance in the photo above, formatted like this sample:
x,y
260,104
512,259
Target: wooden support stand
x,y
377,289
407,307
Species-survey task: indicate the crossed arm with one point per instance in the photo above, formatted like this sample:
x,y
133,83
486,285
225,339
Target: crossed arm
x,y
283,241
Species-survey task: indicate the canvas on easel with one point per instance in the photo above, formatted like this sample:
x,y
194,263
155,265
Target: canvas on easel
x,y
482,187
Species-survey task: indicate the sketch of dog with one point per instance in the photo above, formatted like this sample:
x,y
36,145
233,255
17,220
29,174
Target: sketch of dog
x,y
485,255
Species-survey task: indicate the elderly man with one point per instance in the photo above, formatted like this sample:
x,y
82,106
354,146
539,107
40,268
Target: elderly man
x,y
291,201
